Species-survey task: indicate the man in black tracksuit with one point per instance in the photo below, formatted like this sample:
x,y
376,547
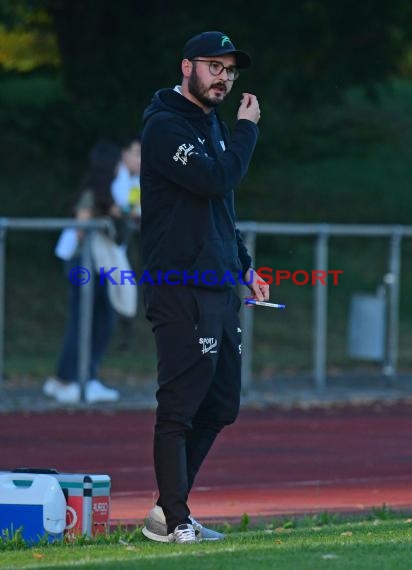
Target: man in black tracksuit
x,y
193,257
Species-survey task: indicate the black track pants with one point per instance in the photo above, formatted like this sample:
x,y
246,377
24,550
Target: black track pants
x,y
198,340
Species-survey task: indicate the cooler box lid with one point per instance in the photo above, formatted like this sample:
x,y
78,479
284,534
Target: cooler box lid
x,y
37,507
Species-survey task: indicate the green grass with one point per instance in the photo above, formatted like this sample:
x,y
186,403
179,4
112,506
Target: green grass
x,y
324,540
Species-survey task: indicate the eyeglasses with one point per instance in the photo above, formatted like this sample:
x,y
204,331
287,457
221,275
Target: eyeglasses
x,y
216,68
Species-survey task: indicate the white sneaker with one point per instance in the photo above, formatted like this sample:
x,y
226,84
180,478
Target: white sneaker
x,y
62,392
156,529
183,533
97,392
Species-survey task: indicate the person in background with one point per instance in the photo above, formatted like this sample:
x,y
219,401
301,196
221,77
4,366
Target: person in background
x,y
126,184
126,195
190,168
95,200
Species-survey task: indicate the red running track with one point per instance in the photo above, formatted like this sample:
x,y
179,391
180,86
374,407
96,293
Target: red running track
x,y
270,462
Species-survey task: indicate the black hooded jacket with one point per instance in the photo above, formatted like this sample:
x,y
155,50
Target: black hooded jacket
x,y
190,166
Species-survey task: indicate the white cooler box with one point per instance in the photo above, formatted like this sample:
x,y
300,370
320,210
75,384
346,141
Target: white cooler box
x,y
35,509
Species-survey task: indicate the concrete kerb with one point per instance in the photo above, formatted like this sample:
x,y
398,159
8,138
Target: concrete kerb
x,y
282,392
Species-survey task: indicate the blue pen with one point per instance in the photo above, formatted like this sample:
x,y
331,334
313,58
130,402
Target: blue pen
x,y
264,304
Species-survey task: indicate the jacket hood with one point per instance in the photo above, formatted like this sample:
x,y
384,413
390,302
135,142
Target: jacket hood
x,y
172,101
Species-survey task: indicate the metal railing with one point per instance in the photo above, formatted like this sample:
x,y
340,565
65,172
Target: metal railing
x,y
86,293
321,234
250,230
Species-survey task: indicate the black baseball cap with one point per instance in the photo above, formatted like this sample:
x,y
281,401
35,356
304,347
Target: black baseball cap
x,y
214,43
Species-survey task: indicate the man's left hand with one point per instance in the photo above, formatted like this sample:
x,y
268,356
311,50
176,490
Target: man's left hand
x,y
258,286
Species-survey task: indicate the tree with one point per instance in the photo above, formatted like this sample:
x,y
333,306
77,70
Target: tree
x,y
320,48
27,39
305,50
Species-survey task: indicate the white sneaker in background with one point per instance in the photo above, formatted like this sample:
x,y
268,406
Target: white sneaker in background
x,y
95,391
62,392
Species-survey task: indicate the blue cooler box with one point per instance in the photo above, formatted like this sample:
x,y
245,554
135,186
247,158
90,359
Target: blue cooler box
x,y
36,510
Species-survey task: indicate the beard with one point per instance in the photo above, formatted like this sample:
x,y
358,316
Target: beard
x,y
201,92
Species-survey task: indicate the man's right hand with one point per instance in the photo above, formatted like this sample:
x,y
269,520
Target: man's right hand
x,y
249,108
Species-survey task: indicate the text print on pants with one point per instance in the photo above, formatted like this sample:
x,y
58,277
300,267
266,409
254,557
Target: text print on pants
x,y
208,345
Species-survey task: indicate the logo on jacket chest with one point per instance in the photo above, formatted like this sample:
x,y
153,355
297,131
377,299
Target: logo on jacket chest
x,y
222,143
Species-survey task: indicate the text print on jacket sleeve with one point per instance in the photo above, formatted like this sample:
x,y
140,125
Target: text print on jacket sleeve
x,y
176,153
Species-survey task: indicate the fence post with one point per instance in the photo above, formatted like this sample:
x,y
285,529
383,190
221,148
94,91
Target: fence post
x,y
85,315
2,297
321,309
392,280
246,319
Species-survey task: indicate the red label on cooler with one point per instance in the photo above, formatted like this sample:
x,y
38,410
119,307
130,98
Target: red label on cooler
x,y
74,516
100,515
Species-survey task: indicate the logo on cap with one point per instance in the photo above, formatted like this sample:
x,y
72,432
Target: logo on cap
x,y
225,39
